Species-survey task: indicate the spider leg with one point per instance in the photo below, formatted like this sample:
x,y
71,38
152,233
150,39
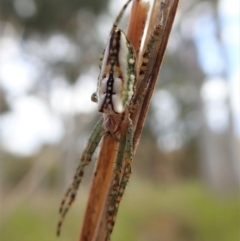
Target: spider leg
x,y
120,180
85,159
118,18
155,36
115,184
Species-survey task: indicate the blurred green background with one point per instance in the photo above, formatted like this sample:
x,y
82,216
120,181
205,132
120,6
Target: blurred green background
x,y
186,173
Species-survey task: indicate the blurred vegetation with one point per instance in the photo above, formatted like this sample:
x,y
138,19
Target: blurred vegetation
x,y
48,15
183,212
167,198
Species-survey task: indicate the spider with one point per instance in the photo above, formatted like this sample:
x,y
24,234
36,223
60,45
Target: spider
x,y
117,99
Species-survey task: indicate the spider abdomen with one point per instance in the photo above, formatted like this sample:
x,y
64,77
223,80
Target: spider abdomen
x,y
117,75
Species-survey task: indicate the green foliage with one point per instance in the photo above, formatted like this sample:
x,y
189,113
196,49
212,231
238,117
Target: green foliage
x,y
187,212
183,212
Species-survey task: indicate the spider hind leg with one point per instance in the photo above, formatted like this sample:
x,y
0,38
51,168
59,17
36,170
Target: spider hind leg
x,y
85,159
121,176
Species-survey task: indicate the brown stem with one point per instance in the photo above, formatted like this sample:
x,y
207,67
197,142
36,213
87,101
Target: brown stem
x,y
99,188
155,61
94,225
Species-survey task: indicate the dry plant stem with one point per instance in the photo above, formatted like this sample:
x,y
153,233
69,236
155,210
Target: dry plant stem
x,y
94,224
155,60
99,187
134,33
137,22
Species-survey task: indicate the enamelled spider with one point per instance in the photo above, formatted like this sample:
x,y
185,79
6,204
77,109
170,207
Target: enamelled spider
x,y
117,99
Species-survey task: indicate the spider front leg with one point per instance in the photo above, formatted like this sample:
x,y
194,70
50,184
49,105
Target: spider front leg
x,y
85,159
122,174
